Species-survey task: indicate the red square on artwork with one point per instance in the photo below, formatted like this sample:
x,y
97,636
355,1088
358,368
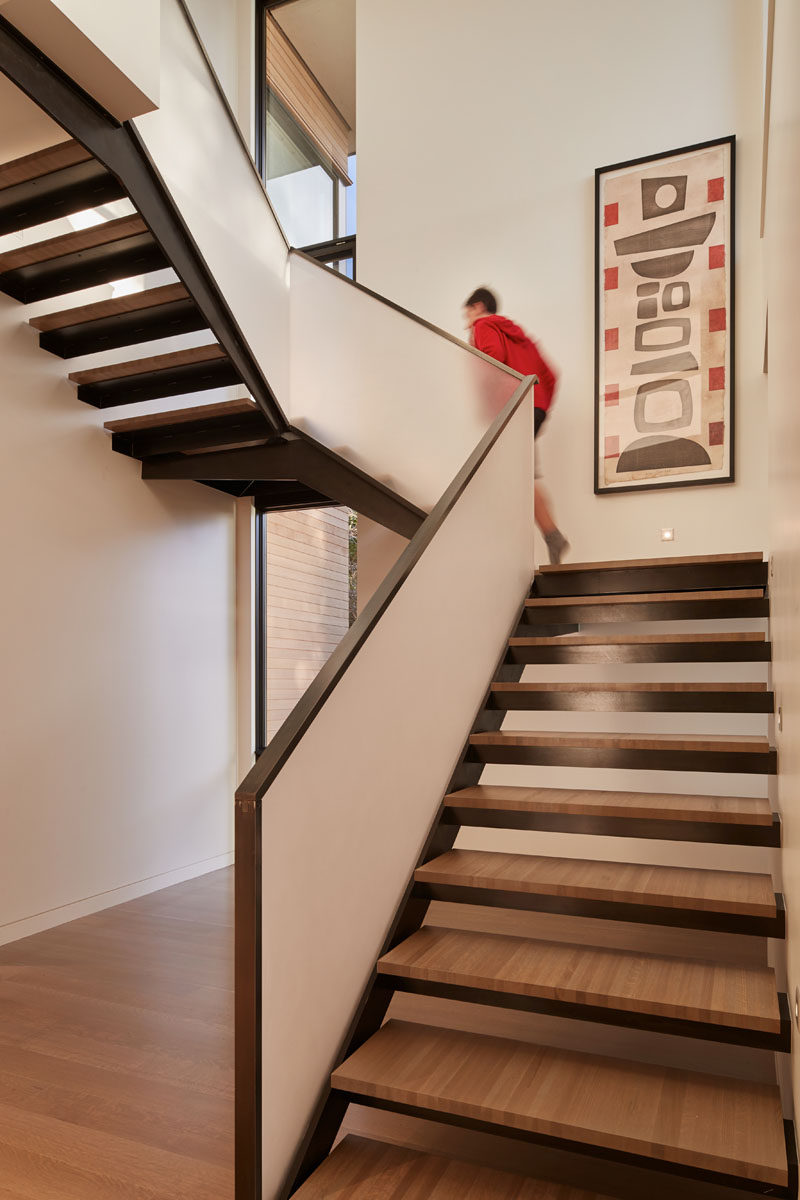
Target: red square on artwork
x,y
716,319
716,257
612,447
716,379
612,393
716,189
611,214
716,433
612,278
612,339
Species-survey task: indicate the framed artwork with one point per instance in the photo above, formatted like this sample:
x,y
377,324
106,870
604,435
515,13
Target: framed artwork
x,y
664,319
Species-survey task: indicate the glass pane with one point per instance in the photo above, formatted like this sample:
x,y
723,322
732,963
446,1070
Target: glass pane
x,y
299,184
350,198
309,588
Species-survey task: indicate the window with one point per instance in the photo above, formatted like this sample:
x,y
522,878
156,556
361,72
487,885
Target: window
x,y
302,149
303,189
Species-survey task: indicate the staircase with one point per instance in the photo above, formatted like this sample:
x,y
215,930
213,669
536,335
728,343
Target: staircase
x,y
657,961
239,447
621,1012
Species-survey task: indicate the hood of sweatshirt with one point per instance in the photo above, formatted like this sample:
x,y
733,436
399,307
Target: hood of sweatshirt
x,y
505,326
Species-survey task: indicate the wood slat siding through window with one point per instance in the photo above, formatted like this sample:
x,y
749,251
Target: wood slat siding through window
x,y
307,601
298,90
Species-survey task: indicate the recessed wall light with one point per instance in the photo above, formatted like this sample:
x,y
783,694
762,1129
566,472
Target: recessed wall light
x,y
667,535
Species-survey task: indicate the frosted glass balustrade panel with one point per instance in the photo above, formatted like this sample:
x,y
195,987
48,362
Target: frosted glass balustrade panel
x,y
390,394
211,177
343,822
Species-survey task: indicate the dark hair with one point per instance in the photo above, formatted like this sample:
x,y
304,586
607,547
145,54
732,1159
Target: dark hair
x,y
483,296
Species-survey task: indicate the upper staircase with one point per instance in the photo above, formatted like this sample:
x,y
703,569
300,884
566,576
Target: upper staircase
x,y
283,469
641,944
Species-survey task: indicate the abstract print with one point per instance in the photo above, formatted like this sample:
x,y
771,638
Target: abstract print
x,y
664,395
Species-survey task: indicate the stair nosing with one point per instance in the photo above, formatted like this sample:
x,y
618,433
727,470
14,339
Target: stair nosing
x,y
113,372
450,1098
624,598
85,239
74,152
729,1018
87,314
709,743
556,800
596,891
755,556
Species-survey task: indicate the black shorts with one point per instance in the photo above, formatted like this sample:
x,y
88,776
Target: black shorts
x,y
539,416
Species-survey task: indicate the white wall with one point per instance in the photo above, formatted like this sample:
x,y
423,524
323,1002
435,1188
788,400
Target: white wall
x,y
782,236
478,135
111,50
117,657
227,31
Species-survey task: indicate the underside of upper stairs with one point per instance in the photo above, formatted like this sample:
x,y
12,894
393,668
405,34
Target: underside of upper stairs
x,y
245,446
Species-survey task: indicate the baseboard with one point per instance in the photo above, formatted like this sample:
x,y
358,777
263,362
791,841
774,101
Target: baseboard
x,y
15,930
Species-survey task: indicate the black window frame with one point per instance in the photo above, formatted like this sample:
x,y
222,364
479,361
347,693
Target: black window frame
x,y
328,252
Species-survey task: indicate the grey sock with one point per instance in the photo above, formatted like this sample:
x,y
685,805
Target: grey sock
x,y
556,544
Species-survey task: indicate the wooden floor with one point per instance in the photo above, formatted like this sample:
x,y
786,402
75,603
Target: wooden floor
x,y
116,1052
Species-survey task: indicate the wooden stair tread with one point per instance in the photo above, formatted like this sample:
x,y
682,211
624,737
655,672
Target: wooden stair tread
x,y
143,366
42,162
722,744
70,243
683,686
363,1169
635,639
633,563
689,990
620,883
134,302
655,806
643,598
702,1122
182,416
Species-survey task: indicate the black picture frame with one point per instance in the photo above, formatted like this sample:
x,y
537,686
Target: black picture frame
x,y
691,479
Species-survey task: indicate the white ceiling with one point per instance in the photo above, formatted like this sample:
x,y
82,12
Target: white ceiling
x,y
324,34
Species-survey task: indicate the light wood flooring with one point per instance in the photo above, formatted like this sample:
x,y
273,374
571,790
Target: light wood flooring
x,y
116,1052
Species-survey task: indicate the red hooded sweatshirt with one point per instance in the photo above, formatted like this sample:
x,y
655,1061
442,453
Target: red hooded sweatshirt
x,y
500,338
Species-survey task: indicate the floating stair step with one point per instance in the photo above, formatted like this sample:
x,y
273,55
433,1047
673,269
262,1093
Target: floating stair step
x,y
53,183
206,427
652,751
736,1004
363,1169
729,901
722,1130
734,820
633,697
122,321
42,162
192,370
103,253
695,573
620,648
643,606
